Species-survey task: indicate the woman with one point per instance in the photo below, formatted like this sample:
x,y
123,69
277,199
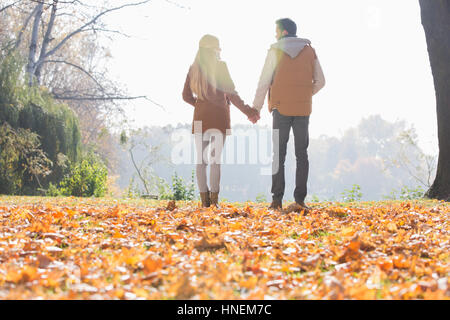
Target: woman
x,y
209,89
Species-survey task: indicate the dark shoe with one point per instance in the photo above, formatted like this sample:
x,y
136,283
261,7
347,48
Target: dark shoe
x,y
206,202
304,206
294,207
214,196
276,205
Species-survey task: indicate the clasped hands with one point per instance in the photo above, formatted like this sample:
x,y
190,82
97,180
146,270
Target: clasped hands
x,y
253,115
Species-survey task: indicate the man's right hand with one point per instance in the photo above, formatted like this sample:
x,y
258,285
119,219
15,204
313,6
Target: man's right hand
x,y
255,116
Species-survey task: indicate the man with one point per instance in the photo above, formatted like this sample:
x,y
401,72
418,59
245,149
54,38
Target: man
x,y
292,75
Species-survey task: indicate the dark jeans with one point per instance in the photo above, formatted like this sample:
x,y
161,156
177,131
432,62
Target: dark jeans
x,y
299,126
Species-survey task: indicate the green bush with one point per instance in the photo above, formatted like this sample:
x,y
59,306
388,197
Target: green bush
x,y
261,197
406,193
34,109
86,178
353,194
164,191
179,191
20,156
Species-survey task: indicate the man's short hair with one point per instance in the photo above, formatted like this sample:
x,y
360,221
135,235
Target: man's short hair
x,y
288,25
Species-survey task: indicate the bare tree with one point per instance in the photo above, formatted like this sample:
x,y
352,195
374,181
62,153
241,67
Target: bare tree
x,y
35,63
61,43
409,156
143,167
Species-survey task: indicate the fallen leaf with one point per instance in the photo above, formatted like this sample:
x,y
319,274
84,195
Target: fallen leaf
x,y
44,260
209,244
152,264
171,206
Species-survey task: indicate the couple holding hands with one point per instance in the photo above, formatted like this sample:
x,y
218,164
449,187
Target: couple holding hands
x,y
291,76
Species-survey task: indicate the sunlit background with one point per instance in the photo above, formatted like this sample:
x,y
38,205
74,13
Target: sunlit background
x,y
373,54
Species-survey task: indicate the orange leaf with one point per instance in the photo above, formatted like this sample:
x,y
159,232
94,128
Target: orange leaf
x,y
249,283
348,231
151,264
401,263
118,235
391,227
58,215
236,226
354,245
29,274
386,266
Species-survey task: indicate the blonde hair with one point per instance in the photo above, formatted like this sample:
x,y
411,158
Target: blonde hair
x,y
203,70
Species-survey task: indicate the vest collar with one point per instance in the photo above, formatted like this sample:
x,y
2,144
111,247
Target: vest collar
x,y
289,36
291,45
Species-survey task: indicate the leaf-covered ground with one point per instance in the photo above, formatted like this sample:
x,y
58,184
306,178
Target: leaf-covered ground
x,y
71,248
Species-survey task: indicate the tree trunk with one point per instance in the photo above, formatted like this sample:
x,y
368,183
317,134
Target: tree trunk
x,y
45,42
435,16
31,66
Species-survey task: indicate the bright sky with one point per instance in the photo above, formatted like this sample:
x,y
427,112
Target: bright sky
x,y
373,54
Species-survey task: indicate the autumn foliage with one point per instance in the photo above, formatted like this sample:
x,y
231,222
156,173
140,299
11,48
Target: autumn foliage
x,y
72,248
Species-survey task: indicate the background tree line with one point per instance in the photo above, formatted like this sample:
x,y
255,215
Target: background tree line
x,y
57,101
383,158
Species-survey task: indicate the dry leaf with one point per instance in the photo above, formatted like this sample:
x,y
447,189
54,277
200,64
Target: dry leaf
x,y
44,260
72,248
152,264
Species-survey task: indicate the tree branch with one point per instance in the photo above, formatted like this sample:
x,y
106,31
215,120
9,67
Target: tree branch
x,y
138,169
8,6
46,40
157,104
97,98
64,2
178,5
411,173
111,31
22,30
52,51
103,98
75,66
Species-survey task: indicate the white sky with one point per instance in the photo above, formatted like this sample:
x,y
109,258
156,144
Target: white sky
x,y
373,53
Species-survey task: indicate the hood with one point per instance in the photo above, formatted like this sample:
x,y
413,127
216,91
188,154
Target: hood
x,y
291,46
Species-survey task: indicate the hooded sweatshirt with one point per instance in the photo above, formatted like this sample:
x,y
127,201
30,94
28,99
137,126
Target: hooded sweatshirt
x,y
292,46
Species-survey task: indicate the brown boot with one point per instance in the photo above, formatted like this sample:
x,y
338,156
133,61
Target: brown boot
x,y
206,201
276,205
297,207
214,196
304,206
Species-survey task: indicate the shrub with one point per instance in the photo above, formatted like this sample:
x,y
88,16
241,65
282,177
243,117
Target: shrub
x,y
164,191
20,156
261,197
86,178
406,193
353,194
179,191
34,109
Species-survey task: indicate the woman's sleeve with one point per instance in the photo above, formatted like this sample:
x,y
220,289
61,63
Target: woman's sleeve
x,y
225,84
187,92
